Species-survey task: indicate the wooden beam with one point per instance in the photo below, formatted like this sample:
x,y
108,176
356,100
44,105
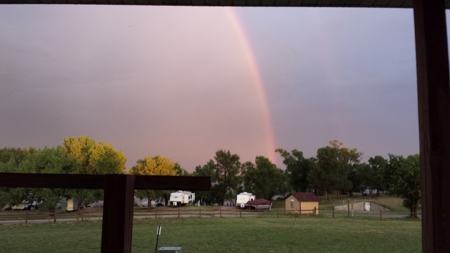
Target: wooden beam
x,y
434,122
117,224
67,181
80,181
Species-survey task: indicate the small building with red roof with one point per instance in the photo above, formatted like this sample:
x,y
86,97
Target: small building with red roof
x,y
302,202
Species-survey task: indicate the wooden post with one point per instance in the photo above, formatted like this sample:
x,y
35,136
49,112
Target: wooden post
x,y
434,121
220,211
178,212
117,222
314,210
332,210
54,215
81,215
26,217
381,215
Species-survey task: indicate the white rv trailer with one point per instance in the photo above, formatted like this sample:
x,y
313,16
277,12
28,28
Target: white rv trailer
x,y
181,198
243,198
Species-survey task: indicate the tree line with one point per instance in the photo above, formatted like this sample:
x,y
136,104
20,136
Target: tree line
x,y
335,169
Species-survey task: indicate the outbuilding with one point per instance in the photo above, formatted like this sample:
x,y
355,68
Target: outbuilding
x,y
302,202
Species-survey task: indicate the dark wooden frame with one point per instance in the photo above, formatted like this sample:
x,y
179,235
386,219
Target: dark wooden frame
x,y
117,221
434,121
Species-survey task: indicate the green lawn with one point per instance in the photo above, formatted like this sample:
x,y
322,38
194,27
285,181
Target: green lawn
x,y
304,234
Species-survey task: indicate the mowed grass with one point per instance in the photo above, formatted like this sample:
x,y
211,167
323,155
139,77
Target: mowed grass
x,y
304,234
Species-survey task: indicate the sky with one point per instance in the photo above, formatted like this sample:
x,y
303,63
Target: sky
x,y
185,82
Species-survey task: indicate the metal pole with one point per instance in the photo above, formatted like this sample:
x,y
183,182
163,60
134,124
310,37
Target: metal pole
x,y
158,232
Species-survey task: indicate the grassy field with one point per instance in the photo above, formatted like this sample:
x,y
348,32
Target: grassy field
x,y
304,234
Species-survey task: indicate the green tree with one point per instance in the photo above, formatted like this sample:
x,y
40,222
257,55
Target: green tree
x,y
47,160
227,167
14,155
181,171
297,168
375,177
207,170
349,158
264,179
325,174
406,180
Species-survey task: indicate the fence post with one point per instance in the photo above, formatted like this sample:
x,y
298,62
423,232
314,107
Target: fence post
x,y
54,215
82,216
381,215
26,217
178,212
220,211
332,209
315,211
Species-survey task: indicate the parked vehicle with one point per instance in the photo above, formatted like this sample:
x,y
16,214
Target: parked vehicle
x,y
144,203
181,198
261,204
6,208
243,198
26,205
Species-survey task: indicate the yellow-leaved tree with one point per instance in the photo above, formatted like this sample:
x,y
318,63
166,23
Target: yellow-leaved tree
x,y
88,157
155,166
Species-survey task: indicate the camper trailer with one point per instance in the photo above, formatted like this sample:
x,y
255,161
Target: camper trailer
x,y
243,198
181,198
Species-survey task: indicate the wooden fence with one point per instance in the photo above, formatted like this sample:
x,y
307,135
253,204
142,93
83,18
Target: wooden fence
x,y
36,216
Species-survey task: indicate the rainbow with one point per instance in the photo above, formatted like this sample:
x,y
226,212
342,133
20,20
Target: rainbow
x,y
250,56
